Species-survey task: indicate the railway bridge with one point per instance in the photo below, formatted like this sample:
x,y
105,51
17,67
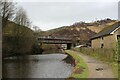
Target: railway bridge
x,y
55,40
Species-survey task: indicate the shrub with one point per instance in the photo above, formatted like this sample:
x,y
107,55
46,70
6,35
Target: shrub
x,y
17,40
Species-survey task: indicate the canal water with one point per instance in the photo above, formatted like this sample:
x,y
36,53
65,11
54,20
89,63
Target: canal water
x,y
37,66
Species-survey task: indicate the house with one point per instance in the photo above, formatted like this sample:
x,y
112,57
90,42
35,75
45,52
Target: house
x,y
107,38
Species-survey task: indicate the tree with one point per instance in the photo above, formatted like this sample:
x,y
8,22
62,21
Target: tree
x,y
7,9
36,29
21,18
22,33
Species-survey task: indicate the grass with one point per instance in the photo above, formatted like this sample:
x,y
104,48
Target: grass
x,y
114,66
80,64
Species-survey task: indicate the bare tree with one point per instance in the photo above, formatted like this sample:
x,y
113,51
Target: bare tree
x,y
21,18
6,11
36,29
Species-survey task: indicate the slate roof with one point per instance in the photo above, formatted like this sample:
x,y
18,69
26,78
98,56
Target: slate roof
x,y
106,31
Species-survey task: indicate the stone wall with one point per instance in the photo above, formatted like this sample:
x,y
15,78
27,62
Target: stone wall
x,y
109,41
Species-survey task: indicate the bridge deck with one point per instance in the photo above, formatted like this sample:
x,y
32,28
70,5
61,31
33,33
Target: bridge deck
x,y
55,40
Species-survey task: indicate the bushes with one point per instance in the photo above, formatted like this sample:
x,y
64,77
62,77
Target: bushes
x,y
51,48
17,40
36,49
103,54
119,58
119,49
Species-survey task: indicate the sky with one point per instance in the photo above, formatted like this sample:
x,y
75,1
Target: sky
x,y
50,14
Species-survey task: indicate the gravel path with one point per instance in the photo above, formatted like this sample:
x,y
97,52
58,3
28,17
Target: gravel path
x,y
97,69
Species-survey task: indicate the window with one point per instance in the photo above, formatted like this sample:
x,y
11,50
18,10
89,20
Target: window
x,y
102,45
102,38
118,37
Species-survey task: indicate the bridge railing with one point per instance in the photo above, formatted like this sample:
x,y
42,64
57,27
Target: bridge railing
x,y
54,40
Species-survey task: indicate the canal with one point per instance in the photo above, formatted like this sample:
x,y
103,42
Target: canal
x,y
37,66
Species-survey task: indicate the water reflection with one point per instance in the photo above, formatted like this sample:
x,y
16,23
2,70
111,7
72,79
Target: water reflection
x,y
37,66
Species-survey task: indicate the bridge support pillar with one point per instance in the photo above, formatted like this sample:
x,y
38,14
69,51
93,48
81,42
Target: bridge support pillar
x,y
69,46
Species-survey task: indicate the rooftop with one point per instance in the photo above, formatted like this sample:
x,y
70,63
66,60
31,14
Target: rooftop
x,y
107,30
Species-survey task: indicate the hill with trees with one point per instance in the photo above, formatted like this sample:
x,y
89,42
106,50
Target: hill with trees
x,y
17,37
80,30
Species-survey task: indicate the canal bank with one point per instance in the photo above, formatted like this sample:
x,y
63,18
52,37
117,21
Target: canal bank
x,y
80,69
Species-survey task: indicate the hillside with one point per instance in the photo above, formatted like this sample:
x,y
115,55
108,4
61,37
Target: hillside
x,y
16,39
79,30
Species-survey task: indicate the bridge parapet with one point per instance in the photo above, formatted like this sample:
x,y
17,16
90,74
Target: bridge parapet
x,y
54,40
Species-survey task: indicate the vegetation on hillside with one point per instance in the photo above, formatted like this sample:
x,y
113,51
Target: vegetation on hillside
x,y
17,37
80,31
119,58
7,10
17,40
51,48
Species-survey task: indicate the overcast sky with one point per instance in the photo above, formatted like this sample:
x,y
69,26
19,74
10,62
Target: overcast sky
x,y
49,14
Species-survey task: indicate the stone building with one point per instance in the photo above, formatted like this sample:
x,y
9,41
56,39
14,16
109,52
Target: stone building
x,y
107,38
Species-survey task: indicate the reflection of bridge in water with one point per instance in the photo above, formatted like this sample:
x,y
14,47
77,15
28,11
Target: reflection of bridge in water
x,y
55,40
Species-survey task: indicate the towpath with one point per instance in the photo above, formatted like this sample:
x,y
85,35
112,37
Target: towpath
x,y
97,69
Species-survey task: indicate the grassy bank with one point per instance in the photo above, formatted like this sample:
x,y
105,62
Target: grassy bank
x,y
81,68
105,55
